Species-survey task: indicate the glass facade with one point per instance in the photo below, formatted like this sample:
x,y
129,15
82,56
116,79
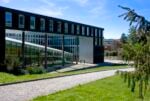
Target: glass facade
x,y
35,47
8,19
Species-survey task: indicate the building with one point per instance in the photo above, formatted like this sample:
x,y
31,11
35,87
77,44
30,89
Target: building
x,y
112,44
112,48
20,30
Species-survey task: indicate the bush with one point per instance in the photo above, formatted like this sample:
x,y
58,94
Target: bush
x,y
19,71
35,70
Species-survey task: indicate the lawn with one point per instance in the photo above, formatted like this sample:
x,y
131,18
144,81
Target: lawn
x,y
9,78
109,89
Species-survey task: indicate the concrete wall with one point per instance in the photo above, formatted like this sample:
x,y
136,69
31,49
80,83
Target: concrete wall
x,y
86,49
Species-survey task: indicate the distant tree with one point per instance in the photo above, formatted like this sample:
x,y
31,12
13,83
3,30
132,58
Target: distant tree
x,y
132,37
123,38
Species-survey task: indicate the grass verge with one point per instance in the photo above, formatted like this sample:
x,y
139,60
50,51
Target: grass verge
x,y
109,89
10,78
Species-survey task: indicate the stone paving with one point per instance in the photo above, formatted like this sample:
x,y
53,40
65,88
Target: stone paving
x,y
29,90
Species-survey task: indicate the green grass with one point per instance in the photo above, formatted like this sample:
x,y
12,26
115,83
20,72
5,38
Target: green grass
x,y
109,89
9,78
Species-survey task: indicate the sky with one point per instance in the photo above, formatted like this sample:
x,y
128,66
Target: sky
x,y
101,13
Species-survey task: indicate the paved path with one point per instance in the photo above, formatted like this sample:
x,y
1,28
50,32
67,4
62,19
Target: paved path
x,y
29,90
117,61
76,67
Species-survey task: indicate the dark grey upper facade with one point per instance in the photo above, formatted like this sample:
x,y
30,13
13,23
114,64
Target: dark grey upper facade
x,y
60,26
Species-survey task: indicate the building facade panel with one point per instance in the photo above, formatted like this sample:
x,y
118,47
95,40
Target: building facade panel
x,y
86,49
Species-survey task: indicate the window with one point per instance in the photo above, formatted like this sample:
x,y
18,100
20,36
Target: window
x,y
87,30
42,24
100,41
58,26
8,19
21,21
83,30
95,41
92,31
100,33
51,25
66,27
96,34
72,28
78,29
32,22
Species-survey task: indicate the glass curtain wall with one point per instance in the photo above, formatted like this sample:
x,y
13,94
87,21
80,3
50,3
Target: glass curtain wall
x,y
34,48
13,52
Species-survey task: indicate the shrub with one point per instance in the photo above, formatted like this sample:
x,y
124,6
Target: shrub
x,y
35,70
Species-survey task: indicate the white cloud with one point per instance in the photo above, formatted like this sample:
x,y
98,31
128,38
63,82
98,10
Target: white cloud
x,y
49,11
5,1
99,8
81,2
50,8
48,2
78,2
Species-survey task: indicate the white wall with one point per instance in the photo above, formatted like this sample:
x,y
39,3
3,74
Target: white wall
x,y
86,49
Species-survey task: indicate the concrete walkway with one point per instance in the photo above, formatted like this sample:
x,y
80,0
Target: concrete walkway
x,y
77,67
29,90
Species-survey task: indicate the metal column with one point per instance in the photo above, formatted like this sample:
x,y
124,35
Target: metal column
x,y
77,50
2,40
23,49
63,61
45,51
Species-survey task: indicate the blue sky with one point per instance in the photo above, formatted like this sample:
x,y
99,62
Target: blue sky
x,y
102,13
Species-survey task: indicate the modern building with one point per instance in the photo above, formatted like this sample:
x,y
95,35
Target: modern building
x,y
20,30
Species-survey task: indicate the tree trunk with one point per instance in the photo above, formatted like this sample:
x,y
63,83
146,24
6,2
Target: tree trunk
x,y
141,88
